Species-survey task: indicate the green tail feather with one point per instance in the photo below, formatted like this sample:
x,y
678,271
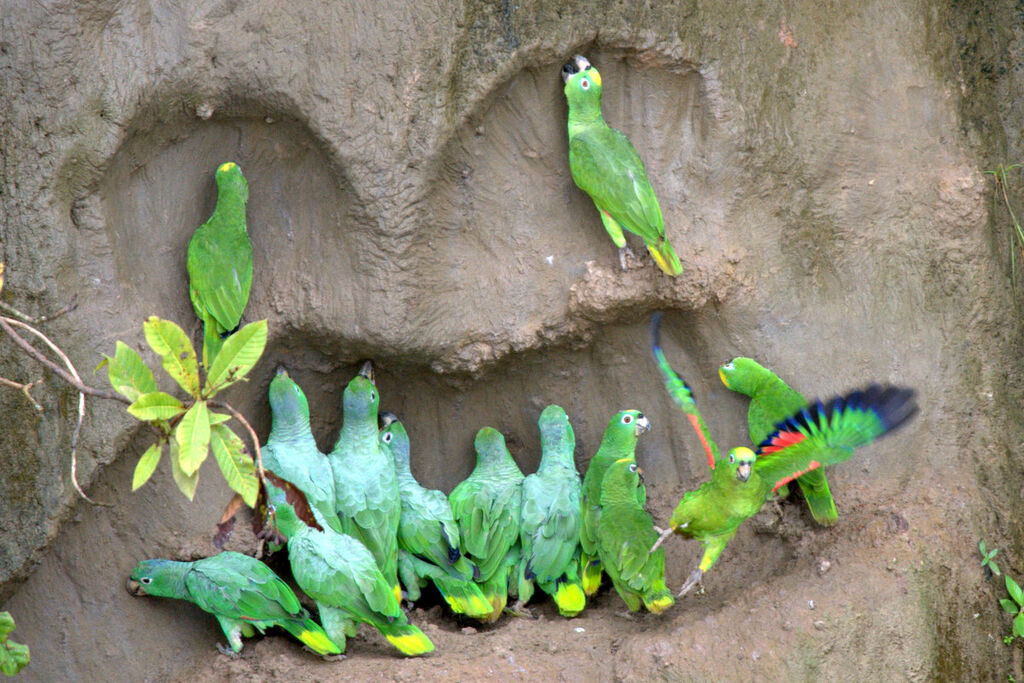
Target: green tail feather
x,y
211,340
409,640
463,597
665,256
314,637
570,599
819,499
590,574
659,600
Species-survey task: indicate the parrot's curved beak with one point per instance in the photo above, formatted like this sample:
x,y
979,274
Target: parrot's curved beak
x,y
385,419
575,65
743,471
134,587
367,370
640,474
642,425
281,371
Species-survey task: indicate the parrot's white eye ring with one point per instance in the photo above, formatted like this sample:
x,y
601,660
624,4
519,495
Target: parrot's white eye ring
x,y
732,458
626,419
387,438
146,579
585,84
632,468
729,366
373,395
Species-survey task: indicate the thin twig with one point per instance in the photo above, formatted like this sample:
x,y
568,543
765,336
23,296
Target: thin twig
x,y
24,317
76,381
252,435
25,388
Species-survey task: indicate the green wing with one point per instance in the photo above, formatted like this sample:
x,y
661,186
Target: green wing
x,y
605,165
230,586
772,403
220,268
550,524
337,570
681,393
488,519
308,470
823,434
427,530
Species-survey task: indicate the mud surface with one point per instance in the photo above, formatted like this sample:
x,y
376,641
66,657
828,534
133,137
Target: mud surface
x,y
821,169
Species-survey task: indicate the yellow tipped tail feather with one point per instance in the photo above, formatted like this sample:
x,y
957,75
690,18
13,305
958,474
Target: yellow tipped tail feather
x,y
590,574
409,640
313,637
570,599
665,256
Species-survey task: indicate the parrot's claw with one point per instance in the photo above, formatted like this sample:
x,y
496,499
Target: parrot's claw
x,y
694,579
659,529
228,652
520,610
623,253
662,535
333,658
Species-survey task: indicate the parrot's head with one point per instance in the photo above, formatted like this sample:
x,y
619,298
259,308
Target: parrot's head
x,y
554,425
489,444
582,81
395,438
631,421
287,402
156,577
361,399
740,462
229,178
743,375
282,519
621,480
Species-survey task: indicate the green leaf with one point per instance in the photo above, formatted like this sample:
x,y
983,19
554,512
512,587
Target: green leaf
x,y
187,483
239,354
128,373
13,658
6,620
981,547
147,465
1014,590
193,437
1009,605
1018,625
238,468
994,568
218,418
176,352
156,405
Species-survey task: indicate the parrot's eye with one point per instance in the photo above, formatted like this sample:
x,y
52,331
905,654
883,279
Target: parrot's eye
x,y
146,579
585,84
732,458
387,438
729,366
627,419
373,395
632,468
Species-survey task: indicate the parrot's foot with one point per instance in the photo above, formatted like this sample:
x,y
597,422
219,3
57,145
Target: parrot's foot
x,y
662,535
623,253
520,610
332,658
694,579
228,652
658,529
626,615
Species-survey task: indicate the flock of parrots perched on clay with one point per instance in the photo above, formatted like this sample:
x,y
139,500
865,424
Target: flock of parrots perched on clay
x,y
362,534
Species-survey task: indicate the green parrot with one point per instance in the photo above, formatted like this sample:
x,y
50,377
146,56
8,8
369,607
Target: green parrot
x,y
342,576
625,538
818,435
219,261
292,454
549,520
605,165
619,442
365,484
13,656
486,508
771,401
243,593
428,537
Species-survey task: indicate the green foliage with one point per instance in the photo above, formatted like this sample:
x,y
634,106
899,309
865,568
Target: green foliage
x,y
986,558
1014,604
13,656
190,428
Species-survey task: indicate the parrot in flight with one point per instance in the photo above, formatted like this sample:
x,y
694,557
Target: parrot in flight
x,y
606,166
429,544
219,262
342,576
619,442
771,401
814,436
292,454
243,593
365,484
625,538
486,507
549,521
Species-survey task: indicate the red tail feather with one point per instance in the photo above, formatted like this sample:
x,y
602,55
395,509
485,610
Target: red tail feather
x,y
781,440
